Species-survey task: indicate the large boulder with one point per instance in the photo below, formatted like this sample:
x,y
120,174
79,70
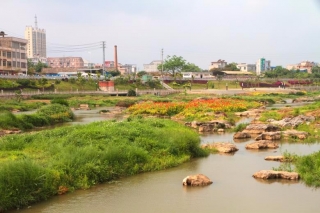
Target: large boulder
x,y
256,129
221,147
263,144
270,174
269,136
241,135
196,180
292,133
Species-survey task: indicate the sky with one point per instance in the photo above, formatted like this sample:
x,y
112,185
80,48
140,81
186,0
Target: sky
x,y
201,31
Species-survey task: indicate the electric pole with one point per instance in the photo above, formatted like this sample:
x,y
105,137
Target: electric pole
x,y
103,63
162,63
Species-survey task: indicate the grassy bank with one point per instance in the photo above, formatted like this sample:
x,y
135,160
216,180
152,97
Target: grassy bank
x,y
46,115
39,165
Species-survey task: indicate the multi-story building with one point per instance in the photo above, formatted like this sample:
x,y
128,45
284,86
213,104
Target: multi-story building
x,y
262,65
220,64
246,67
63,62
153,66
306,66
13,55
36,37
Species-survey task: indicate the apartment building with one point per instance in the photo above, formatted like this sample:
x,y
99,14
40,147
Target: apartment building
x,y
64,62
37,47
262,65
13,55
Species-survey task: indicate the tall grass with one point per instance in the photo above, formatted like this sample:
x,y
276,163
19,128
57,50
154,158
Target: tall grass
x,y
309,169
78,157
46,115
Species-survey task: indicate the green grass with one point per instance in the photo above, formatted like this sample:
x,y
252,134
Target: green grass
x,y
309,169
46,115
38,165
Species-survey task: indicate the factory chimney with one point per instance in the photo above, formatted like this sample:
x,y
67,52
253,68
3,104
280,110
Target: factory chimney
x,y
115,57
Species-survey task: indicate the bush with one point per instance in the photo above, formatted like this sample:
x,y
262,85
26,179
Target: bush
x,y
60,101
132,92
56,113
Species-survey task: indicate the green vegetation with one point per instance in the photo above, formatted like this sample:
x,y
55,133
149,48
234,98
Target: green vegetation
x,y
240,127
46,115
39,165
309,169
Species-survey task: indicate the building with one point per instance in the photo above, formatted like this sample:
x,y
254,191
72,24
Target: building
x,y
306,66
220,64
13,55
246,67
63,62
153,66
37,47
262,65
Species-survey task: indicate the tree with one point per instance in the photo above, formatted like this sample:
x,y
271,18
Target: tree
x,y
173,64
39,66
190,67
231,67
142,73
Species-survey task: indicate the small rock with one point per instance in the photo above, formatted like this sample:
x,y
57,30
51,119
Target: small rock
x,y
241,135
275,158
262,144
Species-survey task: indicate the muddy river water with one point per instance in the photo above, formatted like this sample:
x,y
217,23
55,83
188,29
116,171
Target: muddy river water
x,y
233,189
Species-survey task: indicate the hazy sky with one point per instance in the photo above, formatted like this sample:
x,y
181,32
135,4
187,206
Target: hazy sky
x,y
201,31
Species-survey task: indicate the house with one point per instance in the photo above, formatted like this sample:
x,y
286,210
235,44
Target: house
x,y
220,64
64,62
196,75
246,67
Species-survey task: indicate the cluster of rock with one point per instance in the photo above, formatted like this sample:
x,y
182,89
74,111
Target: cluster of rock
x,y
196,180
221,147
275,158
304,99
269,132
82,107
292,122
210,126
271,174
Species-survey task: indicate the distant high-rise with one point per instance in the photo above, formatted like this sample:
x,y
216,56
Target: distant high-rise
x,y
36,47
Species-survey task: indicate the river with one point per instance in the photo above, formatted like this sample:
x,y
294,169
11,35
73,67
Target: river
x,y
233,189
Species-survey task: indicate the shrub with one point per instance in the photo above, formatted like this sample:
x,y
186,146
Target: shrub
x,y
56,113
240,127
132,92
60,101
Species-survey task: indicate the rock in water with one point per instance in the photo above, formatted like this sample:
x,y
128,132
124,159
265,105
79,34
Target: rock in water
x,y
263,144
270,174
196,180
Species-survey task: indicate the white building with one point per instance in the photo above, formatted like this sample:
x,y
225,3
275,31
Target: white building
x,y
220,64
262,65
36,47
153,66
246,67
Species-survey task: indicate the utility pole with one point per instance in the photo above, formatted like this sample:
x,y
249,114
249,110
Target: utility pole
x,y
103,63
162,63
